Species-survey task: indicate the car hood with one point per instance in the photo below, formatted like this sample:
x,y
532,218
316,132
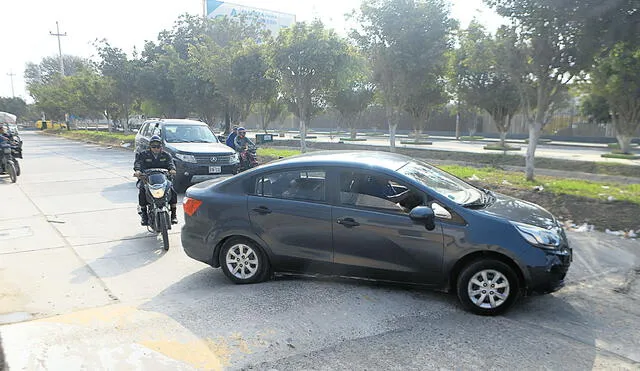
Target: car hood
x,y
520,211
201,148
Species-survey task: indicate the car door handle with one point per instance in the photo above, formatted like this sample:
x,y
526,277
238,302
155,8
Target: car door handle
x,y
262,210
348,222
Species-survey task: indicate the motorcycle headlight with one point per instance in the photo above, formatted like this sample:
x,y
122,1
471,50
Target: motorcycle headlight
x,y
235,157
157,192
544,238
186,158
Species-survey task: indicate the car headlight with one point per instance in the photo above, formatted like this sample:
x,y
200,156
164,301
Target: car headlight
x,y
157,192
545,238
186,158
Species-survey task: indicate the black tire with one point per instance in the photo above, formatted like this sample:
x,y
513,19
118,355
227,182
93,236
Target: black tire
x,y
252,265
489,300
15,162
164,230
11,170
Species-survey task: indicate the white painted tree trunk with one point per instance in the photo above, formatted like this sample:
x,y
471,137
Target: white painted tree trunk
x,y
503,138
393,125
625,142
534,134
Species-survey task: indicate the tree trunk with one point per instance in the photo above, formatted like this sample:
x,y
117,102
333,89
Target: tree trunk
x,y
354,132
393,125
303,129
534,134
625,142
503,138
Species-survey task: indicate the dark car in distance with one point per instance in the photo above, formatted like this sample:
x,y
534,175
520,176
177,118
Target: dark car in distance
x,y
196,150
380,216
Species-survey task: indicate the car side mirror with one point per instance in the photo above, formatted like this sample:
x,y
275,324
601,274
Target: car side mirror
x,y
425,215
221,138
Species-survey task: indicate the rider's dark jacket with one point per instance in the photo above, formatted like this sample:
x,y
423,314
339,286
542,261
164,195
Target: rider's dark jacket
x,y
146,160
241,142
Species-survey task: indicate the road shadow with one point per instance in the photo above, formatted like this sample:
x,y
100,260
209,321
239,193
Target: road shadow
x,y
345,314
129,254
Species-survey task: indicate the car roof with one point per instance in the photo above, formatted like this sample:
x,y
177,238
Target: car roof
x,y
363,159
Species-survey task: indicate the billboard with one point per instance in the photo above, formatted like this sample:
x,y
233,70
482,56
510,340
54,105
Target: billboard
x,y
273,21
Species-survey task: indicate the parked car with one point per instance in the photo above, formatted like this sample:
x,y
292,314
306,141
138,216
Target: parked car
x,y
197,152
376,215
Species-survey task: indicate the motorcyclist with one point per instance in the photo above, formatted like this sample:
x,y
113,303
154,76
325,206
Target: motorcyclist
x,y
232,137
242,143
153,158
5,136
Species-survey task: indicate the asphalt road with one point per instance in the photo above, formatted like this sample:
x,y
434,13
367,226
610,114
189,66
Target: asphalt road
x,y
84,287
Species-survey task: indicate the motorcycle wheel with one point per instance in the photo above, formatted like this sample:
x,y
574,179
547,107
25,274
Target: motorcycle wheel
x,y
11,169
17,164
164,230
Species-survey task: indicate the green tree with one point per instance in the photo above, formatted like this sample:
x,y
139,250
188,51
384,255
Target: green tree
x,y
49,68
351,102
545,49
483,80
124,72
406,42
14,105
616,78
306,59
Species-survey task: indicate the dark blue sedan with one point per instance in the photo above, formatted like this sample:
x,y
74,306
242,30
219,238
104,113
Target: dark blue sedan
x,y
376,215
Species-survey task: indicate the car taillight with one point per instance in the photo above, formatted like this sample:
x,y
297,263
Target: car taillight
x,y
191,205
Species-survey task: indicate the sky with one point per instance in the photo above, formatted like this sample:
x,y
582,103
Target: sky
x,y
26,25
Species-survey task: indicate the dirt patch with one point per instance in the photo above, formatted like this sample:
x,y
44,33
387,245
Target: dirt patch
x,y
612,215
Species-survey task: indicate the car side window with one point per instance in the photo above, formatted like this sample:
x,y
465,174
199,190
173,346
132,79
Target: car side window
x,y
143,129
303,185
379,192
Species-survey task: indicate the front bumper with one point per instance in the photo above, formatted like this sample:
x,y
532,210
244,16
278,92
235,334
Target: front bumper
x,y
550,276
191,170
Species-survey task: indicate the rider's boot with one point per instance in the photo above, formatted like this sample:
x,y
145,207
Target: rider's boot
x,y
174,216
144,217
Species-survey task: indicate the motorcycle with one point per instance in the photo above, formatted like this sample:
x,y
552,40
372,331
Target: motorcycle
x,y
248,158
16,153
7,162
158,190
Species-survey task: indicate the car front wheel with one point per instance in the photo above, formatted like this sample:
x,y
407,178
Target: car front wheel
x,y
243,261
488,287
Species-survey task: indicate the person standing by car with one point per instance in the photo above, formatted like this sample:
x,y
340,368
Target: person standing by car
x,y
232,137
154,158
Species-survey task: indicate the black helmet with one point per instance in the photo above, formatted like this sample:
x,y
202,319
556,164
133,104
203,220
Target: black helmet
x,y
155,138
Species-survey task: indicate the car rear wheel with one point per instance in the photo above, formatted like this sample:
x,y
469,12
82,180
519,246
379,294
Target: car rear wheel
x,y
243,261
488,287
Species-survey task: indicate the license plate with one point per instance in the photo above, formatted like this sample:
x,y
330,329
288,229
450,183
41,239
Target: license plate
x,y
215,169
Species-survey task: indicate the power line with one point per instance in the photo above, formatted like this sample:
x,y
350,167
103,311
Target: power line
x,y
58,34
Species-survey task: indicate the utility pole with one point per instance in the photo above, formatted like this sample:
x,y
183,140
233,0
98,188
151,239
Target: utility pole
x,y
58,34
11,74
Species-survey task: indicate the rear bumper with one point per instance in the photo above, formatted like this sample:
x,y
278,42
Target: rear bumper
x,y
194,244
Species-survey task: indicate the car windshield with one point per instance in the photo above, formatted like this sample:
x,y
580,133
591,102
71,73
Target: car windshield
x,y
189,134
442,182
